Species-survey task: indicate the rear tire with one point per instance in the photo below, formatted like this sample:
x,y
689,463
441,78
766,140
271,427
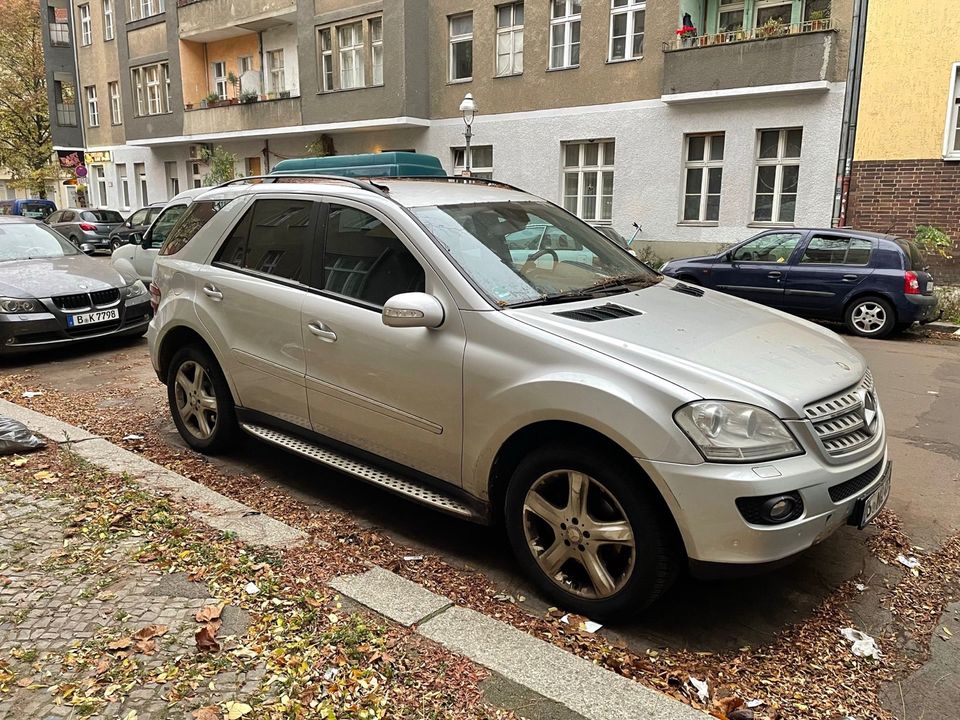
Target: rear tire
x,y
871,317
200,401
606,557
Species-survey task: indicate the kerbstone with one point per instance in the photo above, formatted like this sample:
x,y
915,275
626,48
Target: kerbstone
x,y
578,684
389,594
49,427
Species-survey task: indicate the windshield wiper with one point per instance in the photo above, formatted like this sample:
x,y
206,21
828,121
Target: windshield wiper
x,y
622,281
553,298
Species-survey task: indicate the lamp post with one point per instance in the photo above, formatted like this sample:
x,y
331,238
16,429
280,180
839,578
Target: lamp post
x,y
469,109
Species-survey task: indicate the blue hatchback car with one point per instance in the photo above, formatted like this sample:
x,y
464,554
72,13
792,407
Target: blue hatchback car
x,y
874,283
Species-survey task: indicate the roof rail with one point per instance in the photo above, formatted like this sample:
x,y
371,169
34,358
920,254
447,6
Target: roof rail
x,y
363,184
469,179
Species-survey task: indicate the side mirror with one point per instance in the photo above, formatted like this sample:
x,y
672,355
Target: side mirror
x,y
726,257
135,238
414,309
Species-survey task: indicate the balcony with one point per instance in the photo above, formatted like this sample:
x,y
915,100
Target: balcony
x,y
766,60
212,122
210,20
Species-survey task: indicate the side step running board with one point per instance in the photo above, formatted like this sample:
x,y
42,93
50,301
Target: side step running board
x,y
407,487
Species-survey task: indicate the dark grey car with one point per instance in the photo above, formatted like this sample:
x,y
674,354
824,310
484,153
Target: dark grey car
x,y
52,294
87,229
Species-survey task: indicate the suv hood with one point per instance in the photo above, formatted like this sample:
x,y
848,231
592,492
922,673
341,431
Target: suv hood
x,y
716,346
46,277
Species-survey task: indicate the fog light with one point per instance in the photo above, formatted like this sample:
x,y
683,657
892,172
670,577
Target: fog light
x,y
771,509
778,509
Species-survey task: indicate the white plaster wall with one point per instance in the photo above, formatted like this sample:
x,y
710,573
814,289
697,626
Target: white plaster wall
x,y
649,156
285,37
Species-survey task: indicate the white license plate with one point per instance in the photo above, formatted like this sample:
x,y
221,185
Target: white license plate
x,y
873,503
92,318
930,286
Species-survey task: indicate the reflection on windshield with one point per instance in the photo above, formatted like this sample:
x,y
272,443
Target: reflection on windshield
x,y
30,242
523,251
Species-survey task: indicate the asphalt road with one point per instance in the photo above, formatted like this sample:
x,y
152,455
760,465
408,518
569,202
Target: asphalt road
x,y
919,387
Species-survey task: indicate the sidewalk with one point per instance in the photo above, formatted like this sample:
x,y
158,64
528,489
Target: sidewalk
x,y
156,597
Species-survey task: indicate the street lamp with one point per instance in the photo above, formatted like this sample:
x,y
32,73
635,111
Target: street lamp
x,y
469,109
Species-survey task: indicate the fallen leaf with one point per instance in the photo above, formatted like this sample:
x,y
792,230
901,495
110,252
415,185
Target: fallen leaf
x,y
210,712
19,462
209,612
132,715
25,682
102,665
236,709
121,644
147,647
206,638
150,631
43,475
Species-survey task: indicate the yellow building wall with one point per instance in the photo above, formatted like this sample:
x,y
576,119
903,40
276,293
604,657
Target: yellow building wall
x,y
910,50
196,60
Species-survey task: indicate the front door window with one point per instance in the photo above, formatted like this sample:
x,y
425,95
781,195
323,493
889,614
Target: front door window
x,y
773,248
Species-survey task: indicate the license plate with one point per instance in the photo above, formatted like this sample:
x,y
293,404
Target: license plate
x,y
930,286
867,508
92,318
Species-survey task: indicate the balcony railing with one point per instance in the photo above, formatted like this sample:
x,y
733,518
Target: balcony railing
x,y
763,32
60,34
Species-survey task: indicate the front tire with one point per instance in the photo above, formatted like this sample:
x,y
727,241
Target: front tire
x,y
200,401
590,532
870,317
114,245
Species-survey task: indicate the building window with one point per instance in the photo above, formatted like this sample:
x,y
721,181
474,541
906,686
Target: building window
x,y
275,66
173,179
151,88
626,29
59,27
510,39
219,70
86,25
146,8
376,49
730,17
245,64
196,175
821,7
134,10
124,185
108,19
116,109
778,174
951,141
481,161
65,93
588,179
772,11
326,60
350,38
703,176
142,197
93,107
461,47
100,185
564,33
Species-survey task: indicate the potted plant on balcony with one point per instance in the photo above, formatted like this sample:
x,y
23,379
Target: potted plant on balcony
x,y
249,96
819,19
235,84
772,27
686,35
212,100
284,94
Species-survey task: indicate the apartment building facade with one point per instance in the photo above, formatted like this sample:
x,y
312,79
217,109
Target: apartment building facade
x,y
599,105
908,173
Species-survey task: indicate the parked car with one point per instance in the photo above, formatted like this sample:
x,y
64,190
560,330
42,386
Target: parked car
x,y
37,208
874,283
51,294
138,254
87,229
619,423
138,222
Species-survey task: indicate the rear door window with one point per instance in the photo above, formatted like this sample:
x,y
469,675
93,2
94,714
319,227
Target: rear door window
x,y
836,250
273,238
68,216
199,214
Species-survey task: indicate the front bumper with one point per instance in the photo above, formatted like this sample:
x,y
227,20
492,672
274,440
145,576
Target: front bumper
x,y
38,331
703,501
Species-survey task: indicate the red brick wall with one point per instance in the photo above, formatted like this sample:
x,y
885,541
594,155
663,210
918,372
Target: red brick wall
x,y
894,196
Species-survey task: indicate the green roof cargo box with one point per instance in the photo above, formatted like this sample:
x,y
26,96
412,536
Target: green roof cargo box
x,y
387,164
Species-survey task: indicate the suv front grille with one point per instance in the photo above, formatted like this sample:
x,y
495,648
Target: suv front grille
x,y
846,422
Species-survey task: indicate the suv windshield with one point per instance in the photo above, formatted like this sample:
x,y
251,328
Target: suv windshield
x,y
27,241
522,252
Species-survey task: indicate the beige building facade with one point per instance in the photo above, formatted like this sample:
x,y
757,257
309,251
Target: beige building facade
x,y
599,105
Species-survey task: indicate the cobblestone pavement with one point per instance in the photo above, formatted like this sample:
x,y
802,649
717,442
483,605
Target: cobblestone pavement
x,y
49,611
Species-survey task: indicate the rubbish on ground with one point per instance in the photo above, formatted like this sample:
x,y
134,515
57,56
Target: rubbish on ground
x,y
504,598
15,437
932,392
703,690
860,587
863,644
251,588
909,562
589,625
31,393
753,703
331,674
133,437
412,558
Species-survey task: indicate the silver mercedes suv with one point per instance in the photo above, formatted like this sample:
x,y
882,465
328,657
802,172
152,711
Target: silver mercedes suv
x,y
478,349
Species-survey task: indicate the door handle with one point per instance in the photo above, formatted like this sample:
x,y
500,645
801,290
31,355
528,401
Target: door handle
x,y
850,278
211,292
774,274
322,331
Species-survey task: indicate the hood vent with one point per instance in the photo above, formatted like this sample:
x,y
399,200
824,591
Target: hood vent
x,y
688,289
599,313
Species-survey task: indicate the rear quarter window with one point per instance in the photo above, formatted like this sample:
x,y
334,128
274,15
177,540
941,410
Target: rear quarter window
x,y
913,259
198,215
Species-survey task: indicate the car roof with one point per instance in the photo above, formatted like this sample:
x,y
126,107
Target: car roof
x,y
17,219
840,230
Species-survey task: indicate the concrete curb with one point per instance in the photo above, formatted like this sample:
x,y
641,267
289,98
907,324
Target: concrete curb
x,y
586,689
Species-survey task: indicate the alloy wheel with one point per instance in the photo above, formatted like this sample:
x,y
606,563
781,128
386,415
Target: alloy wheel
x,y
579,534
868,317
196,400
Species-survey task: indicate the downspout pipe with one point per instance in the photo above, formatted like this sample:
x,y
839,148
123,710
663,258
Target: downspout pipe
x,y
851,109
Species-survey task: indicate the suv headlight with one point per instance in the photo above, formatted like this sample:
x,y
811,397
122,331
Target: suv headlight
x,y
735,432
136,289
19,305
